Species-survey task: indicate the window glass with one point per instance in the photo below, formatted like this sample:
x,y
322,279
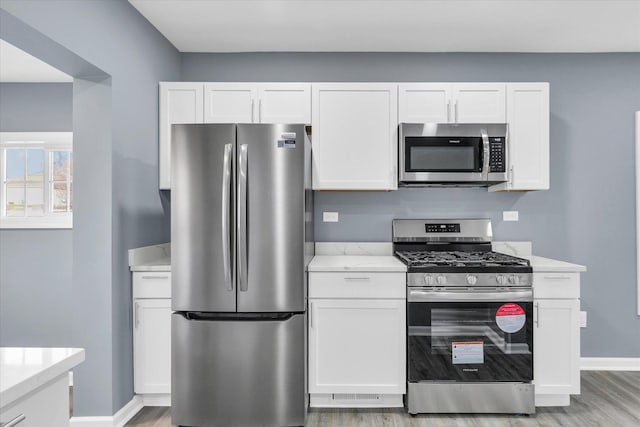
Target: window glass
x,y
36,179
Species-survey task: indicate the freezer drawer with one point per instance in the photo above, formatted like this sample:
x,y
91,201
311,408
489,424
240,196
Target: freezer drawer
x,y
238,372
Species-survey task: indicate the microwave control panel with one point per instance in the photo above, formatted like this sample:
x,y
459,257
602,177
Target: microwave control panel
x,y
496,154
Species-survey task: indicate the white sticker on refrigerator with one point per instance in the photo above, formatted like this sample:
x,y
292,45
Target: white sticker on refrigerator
x,y
467,352
510,317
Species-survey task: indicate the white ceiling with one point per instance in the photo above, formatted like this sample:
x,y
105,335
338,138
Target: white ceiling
x,y
16,65
397,26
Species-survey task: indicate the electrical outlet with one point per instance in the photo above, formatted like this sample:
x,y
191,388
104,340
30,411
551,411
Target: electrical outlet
x,y
583,319
510,215
330,217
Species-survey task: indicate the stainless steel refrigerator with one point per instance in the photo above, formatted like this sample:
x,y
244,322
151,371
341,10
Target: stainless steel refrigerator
x,y
241,239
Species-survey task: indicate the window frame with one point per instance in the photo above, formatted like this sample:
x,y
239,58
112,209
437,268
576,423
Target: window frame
x,y
52,141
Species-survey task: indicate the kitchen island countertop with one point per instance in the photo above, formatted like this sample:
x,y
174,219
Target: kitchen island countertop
x,y
25,369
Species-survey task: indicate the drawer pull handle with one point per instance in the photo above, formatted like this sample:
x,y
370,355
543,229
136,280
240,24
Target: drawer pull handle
x,y
358,279
14,422
557,277
155,277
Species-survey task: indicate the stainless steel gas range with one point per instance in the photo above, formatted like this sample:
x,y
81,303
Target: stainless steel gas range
x,y
469,319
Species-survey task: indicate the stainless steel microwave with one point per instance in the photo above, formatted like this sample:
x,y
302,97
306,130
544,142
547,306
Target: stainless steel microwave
x,y
435,154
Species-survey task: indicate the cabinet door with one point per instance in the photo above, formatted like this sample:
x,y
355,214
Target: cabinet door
x,y
556,346
152,345
179,103
355,127
284,103
230,103
479,103
357,346
528,118
424,103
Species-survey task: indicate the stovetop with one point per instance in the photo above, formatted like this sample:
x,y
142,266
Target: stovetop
x,y
462,261
459,259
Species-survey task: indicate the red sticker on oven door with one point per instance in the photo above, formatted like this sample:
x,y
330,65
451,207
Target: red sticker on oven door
x,y
510,317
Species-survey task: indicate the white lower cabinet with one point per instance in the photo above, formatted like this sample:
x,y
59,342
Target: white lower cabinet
x,y
357,346
152,346
152,335
556,338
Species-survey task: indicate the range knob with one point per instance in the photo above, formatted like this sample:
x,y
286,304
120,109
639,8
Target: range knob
x,y
501,279
513,279
428,280
441,279
471,279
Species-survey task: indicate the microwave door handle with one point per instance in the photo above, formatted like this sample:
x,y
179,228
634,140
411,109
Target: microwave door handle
x,y
485,154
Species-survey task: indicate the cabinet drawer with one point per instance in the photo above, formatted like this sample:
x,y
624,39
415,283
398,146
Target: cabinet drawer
x,y
152,284
556,285
357,285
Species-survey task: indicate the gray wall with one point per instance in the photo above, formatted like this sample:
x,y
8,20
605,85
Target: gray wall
x,y
36,107
117,206
588,215
35,265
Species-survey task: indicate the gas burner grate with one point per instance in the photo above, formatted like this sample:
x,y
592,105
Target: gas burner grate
x,y
459,259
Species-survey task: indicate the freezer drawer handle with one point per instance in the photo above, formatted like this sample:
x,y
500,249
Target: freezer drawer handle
x,y
243,159
253,317
226,232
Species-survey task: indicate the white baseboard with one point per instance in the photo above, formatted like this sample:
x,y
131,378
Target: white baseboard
x,y
610,363
118,419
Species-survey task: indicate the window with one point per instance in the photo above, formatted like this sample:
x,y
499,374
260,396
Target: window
x,y
37,179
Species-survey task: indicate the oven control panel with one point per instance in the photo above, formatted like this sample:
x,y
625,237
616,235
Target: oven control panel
x,y
442,228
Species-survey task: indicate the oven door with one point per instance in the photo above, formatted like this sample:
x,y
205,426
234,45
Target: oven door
x,y
442,159
470,336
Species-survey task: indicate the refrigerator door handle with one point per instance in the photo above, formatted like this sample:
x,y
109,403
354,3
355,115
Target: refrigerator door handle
x,y
226,220
243,160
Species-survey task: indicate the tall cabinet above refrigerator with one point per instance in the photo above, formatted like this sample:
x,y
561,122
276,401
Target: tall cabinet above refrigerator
x,y
241,239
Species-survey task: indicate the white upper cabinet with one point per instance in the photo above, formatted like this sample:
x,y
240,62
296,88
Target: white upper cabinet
x,y
284,103
257,103
528,119
355,136
424,103
452,103
479,103
179,103
229,102
355,125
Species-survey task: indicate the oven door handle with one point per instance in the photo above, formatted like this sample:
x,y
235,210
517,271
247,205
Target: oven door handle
x,y
416,295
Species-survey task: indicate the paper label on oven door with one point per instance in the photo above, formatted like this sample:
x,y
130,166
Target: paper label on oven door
x,y
467,352
510,317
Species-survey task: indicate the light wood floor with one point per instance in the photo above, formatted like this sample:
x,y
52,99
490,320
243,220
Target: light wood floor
x,y
608,399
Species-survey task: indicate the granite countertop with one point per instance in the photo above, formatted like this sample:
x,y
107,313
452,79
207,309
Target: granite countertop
x,y
539,263
151,258
24,369
160,264
339,263
344,257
